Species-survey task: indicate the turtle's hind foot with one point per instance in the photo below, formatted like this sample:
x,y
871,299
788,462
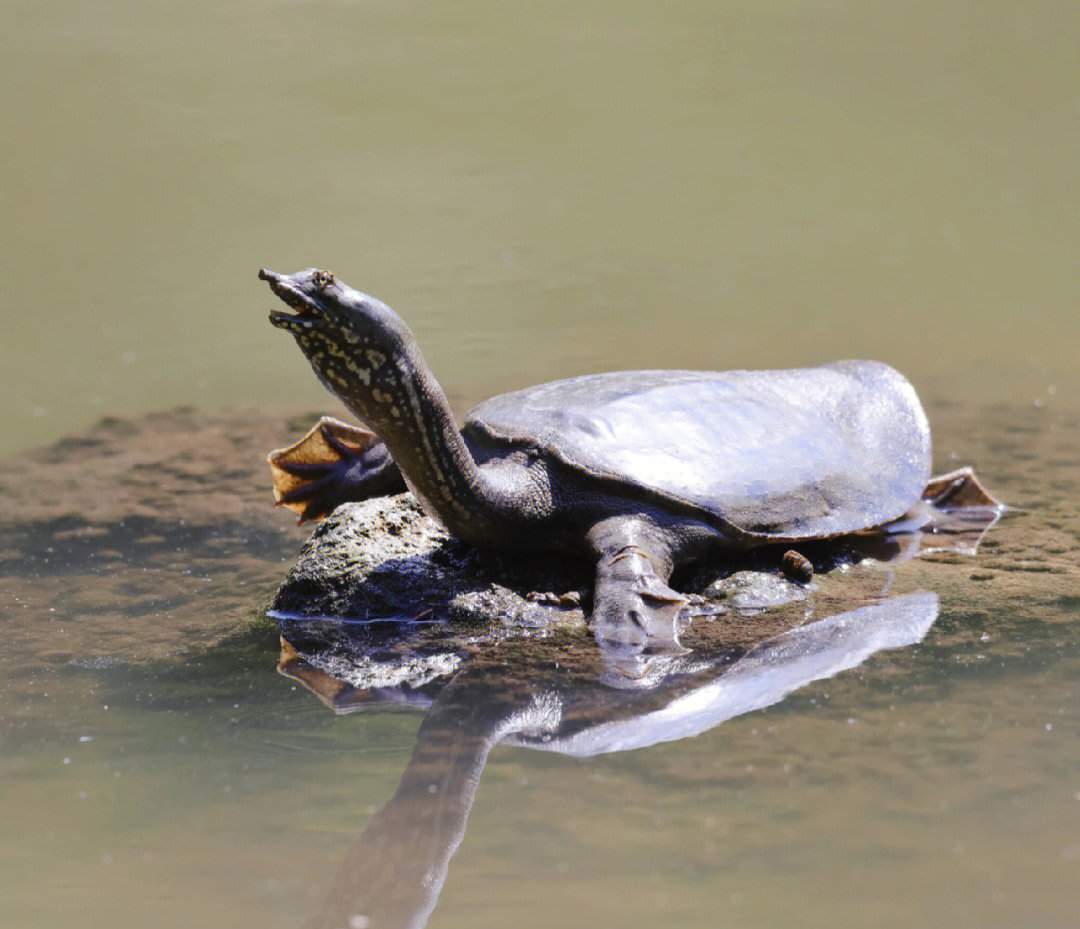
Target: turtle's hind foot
x,y
333,463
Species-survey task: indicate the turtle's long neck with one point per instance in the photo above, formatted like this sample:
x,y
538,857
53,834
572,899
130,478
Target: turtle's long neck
x,y
405,405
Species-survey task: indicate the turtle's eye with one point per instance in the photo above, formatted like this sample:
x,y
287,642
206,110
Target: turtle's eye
x,y
323,279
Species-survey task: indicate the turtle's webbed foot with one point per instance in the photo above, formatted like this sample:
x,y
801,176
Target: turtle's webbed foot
x,y
634,611
959,489
332,464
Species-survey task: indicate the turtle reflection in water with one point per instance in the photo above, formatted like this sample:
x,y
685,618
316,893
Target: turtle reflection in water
x,y
551,695
641,471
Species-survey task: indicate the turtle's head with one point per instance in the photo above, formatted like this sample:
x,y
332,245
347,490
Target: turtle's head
x,y
354,342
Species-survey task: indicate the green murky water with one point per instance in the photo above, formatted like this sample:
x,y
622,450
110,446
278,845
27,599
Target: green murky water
x,y
540,193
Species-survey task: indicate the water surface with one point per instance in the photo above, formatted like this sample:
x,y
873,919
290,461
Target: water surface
x,y
158,768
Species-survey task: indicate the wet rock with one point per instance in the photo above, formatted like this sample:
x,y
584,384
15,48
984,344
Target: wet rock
x,y
382,599
384,559
382,596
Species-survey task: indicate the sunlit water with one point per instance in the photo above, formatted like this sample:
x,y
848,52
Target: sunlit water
x,y
540,193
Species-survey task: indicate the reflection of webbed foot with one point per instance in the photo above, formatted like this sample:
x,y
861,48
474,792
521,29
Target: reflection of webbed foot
x,y
332,464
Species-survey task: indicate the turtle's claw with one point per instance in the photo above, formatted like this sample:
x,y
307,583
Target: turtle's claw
x,y
333,432
308,470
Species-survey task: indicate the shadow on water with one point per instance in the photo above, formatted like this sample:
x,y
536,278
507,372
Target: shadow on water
x,y
557,696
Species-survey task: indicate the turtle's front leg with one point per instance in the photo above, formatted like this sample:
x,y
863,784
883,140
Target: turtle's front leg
x,y
634,609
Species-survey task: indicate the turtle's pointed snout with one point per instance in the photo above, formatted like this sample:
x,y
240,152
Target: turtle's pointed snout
x,y
265,274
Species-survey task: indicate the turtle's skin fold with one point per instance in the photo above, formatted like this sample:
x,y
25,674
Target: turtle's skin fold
x,y
639,470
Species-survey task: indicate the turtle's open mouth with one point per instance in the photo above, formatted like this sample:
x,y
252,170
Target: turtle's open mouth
x,y
305,309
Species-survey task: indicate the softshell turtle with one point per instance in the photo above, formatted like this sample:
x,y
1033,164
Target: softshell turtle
x,y
642,471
